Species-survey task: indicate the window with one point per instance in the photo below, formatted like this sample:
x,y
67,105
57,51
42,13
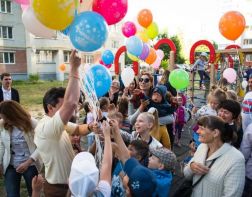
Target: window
x,y
66,56
44,57
248,58
115,44
88,59
6,32
7,58
247,41
5,6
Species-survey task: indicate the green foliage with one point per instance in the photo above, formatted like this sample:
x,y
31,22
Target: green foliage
x,y
180,59
215,45
33,77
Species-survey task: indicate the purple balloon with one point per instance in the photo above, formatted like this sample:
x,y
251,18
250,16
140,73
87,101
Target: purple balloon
x,y
145,52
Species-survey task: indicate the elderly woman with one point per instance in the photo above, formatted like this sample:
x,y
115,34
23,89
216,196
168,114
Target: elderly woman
x,y
226,176
18,153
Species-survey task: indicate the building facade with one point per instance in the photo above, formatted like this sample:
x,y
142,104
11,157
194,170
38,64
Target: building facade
x,y
24,54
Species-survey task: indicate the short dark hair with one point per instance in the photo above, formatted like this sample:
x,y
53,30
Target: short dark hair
x,y
52,97
215,122
142,149
5,75
233,106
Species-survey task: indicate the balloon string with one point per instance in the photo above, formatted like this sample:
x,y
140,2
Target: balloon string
x,y
76,7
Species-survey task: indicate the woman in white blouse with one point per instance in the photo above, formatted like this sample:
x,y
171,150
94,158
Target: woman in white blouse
x,y
18,154
227,174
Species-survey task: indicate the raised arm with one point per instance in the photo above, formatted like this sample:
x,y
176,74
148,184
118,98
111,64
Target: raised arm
x,y
73,89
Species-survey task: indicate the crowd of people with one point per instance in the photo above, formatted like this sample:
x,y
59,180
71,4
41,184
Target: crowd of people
x,y
129,145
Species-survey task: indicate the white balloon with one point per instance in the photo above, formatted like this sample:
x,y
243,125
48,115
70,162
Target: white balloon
x,y
127,76
244,84
33,25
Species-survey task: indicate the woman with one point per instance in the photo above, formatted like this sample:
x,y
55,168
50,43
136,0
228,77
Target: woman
x,y
229,111
227,174
18,152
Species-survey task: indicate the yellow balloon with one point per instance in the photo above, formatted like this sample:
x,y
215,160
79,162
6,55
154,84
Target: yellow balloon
x,y
152,30
142,34
132,57
54,14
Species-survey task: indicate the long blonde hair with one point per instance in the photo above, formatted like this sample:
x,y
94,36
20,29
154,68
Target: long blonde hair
x,y
15,115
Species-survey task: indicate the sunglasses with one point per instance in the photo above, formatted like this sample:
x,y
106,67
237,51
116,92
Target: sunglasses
x,y
145,80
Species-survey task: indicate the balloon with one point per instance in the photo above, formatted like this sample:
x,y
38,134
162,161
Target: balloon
x,y
127,76
152,30
66,31
142,34
232,24
144,17
54,14
101,78
24,7
129,29
33,25
160,53
106,65
89,31
179,79
132,57
62,67
107,57
145,52
112,10
230,75
23,2
156,63
244,84
151,57
134,45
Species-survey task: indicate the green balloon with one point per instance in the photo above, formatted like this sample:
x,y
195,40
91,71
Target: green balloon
x,y
179,79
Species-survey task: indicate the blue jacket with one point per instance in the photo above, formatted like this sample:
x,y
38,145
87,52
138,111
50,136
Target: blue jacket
x,y
164,181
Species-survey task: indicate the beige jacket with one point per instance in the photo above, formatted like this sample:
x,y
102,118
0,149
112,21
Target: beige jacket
x,y
5,152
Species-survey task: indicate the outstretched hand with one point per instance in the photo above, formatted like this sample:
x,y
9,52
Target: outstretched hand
x,y
75,60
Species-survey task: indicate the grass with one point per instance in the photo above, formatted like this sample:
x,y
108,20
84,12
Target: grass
x,y
31,97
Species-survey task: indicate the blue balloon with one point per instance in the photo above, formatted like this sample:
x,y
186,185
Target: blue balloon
x,y
134,45
101,78
89,31
107,57
66,31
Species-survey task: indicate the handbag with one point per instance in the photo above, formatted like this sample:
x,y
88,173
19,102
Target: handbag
x,y
186,186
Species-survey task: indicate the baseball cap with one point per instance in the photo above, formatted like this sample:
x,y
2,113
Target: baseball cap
x,y
204,54
84,175
142,181
167,157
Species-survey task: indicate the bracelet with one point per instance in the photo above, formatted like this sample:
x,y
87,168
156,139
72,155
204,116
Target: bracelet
x,y
74,76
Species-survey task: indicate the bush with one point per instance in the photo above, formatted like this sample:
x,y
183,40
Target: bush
x,y
33,77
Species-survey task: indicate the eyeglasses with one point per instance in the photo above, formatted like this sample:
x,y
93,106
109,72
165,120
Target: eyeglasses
x,y
145,80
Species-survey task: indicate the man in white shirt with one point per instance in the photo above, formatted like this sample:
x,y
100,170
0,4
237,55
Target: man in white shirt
x,y
7,92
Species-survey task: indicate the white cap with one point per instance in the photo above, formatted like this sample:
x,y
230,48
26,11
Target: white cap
x,y
152,110
204,54
84,175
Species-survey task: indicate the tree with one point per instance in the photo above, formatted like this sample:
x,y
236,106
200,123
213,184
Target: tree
x,y
180,59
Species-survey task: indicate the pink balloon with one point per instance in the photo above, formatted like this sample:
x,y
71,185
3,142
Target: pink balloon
x,y
157,63
23,2
230,75
160,53
145,52
129,29
106,65
24,7
112,10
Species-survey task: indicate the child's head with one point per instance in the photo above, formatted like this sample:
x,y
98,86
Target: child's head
x,y
159,93
122,105
139,149
179,100
104,104
144,123
231,94
116,116
215,97
162,159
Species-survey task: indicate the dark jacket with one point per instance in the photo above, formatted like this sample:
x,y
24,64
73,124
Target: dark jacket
x,y
14,95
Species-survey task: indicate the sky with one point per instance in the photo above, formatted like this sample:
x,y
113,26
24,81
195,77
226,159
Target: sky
x,y
194,19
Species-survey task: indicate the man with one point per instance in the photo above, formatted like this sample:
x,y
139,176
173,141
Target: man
x,y
7,92
51,135
250,83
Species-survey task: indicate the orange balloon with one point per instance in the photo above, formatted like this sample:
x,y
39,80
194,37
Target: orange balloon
x,y
144,17
151,57
62,67
232,24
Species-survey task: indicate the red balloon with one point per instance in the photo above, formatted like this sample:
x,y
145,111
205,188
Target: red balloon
x,y
106,65
232,25
129,29
112,10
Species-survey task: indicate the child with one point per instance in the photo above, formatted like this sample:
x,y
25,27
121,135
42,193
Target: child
x,y
162,162
180,120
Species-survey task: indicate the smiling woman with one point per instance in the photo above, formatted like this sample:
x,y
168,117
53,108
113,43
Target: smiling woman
x,y
215,136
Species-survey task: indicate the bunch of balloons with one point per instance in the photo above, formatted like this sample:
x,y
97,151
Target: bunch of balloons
x,y
88,30
137,40
232,25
